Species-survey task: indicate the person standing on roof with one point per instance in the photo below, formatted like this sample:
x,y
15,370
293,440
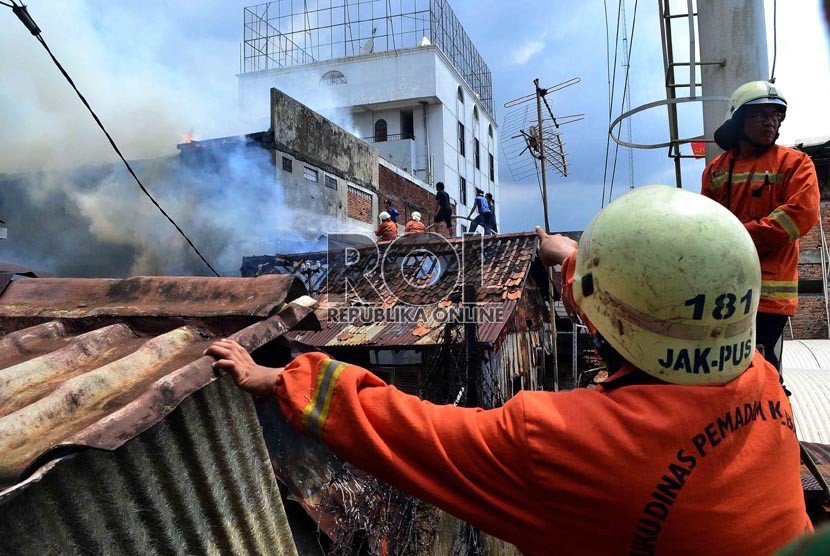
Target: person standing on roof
x,y
415,226
773,190
443,208
393,212
481,205
687,448
492,204
387,230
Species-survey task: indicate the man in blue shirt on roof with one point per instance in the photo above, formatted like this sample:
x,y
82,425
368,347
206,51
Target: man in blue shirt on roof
x,y
393,212
483,207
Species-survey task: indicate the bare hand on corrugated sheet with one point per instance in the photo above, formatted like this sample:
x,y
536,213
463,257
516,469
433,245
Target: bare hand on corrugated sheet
x,y
555,248
253,378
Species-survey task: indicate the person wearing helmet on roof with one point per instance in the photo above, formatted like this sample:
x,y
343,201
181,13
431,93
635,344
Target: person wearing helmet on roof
x,y
687,448
773,190
415,226
387,230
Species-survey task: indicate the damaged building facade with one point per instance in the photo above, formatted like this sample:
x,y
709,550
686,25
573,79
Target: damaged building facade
x,y
403,76
326,174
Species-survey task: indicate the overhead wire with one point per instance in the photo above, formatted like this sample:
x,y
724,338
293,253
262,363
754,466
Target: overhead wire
x,y
612,88
26,19
625,91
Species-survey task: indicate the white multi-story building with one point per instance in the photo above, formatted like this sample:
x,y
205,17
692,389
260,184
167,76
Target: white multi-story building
x,y
417,90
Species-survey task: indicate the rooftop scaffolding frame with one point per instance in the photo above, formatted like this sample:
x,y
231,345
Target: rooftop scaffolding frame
x,y
287,33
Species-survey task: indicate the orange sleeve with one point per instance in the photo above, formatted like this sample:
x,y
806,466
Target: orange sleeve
x,y
705,187
796,216
470,462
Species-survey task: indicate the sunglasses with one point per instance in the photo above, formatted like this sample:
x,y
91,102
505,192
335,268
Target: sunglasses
x,y
763,116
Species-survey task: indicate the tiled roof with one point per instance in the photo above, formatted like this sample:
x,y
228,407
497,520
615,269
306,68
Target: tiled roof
x,y
95,362
420,271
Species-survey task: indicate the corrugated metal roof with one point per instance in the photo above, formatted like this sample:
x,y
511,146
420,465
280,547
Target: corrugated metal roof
x,y
506,264
811,403
806,354
399,334
806,370
95,362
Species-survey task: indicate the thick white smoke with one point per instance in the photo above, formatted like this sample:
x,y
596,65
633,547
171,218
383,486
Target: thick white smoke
x,y
70,206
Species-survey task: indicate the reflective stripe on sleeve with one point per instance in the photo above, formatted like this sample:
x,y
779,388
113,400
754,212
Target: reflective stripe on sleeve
x,y
774,289
784,220
317,410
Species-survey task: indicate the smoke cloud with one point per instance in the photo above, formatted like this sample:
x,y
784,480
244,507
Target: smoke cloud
x,y
71,208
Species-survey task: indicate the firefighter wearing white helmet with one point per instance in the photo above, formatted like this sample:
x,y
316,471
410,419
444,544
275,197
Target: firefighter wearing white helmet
x,y
679,305
386,230
415,226
704,465
773,190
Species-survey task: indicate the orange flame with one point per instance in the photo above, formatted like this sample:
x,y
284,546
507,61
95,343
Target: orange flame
x,y
188,137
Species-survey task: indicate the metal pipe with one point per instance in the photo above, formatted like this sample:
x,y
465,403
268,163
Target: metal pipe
x,y
427,161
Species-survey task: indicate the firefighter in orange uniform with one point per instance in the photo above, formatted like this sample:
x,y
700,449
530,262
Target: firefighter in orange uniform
x,y
415,226
773,191
387,230
688,448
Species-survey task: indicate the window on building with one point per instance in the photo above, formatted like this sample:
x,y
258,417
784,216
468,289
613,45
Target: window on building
x,y
460,94
461,149
311,174
407,125
333,77
490,131
476,154
331,182
287,164
462,190
475,114
380,131
492,167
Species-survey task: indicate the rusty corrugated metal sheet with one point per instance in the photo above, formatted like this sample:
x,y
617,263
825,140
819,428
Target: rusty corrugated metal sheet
x,y
398,334
99,370
198,482
149,296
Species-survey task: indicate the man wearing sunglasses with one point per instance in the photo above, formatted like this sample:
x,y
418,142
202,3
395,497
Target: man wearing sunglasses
x,y
773,190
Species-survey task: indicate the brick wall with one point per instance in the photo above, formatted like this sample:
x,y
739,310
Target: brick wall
x,y
407,197
810,320
359,205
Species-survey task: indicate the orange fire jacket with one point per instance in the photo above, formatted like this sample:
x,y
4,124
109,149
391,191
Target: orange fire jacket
x,y
415,227
387,231
776,196
643,469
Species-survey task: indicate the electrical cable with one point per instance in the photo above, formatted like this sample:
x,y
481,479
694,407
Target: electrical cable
x,y
611,98
26,19
625,91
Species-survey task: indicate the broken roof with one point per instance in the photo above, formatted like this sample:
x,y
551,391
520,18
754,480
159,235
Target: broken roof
x,y
419,270
95,362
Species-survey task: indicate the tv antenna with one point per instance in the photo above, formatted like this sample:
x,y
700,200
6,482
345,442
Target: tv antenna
x,y
531,140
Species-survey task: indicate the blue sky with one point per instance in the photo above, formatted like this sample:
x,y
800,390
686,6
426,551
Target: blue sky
x,y
155,70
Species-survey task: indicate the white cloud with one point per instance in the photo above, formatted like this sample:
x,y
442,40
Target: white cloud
x,y
527,51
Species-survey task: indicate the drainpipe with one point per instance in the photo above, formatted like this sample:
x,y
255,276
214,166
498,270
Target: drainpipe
x,y
427,164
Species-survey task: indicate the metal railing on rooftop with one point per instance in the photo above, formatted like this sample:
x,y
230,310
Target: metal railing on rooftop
x,y
286,33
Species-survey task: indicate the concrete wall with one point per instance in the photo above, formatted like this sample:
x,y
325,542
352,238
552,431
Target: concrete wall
x,y
312,201
307,135
381,86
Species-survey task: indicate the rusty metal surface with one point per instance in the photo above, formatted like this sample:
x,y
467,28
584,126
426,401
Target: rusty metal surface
x,y
80,381
506,283
150,296
397,334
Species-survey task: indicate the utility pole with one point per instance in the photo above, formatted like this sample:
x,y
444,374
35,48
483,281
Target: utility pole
x,y
734,31
541,139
